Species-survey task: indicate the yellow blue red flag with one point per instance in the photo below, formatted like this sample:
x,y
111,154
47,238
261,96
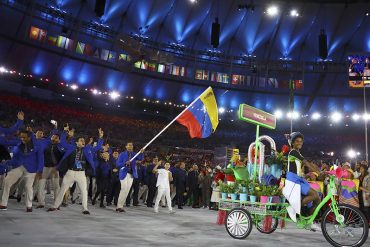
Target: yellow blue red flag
x,y
201,117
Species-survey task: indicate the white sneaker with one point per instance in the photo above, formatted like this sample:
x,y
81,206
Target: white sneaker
x,y
315,227
156,211
172,212
292,213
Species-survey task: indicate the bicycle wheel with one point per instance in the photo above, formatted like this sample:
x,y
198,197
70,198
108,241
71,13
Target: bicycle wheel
x,y
259,225
238,223
353,233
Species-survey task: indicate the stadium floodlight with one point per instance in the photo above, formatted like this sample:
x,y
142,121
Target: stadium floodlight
x,y
114,95
355,117
278,114
3,70
293,115
336,117
366,116
95,91
221,110
294,13
74,87
316,116
351,153
272,10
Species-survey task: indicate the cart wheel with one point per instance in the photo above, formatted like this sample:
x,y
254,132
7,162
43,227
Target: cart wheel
x,y
259,225
354,232
238,223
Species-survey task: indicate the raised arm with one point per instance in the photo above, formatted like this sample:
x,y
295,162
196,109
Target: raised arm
x,y
155,169
47,141
9,143
63,139
99,145
15,127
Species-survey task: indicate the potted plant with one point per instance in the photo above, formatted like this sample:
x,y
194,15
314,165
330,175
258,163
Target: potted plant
x,y
233,190
243,195
224,190
265,191
253,191
277,161
274,194
244,184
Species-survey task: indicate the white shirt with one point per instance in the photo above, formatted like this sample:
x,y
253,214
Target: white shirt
x,y
163,180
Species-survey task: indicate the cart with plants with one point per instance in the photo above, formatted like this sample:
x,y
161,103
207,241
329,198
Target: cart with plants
x,y
262,205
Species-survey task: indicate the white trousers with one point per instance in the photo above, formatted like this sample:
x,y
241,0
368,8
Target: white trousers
x,y
48,172
71,177
166,192
1,181
12,177
125,189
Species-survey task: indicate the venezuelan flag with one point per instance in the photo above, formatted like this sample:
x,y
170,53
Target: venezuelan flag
x,y
201,117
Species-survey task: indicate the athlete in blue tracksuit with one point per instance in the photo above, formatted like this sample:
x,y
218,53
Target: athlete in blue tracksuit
x,y
76,163
127,173
26,162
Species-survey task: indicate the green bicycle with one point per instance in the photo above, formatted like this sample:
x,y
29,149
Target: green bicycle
x,y
341,225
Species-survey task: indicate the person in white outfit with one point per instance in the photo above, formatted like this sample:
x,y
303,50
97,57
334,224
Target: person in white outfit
x,y
163,185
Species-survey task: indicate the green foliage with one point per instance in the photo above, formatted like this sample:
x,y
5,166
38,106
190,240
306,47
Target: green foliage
x,y
233,188
269,190
254,188
277,158
224,188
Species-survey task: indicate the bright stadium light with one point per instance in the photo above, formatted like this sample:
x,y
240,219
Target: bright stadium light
x,y
95,91
221,110
355,117
114,95
74,87
272,10
293,115
278,114
336,117
294,13
351,153
3,70
316,116
366,116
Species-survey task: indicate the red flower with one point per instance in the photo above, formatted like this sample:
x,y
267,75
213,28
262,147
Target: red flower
x,y
285,149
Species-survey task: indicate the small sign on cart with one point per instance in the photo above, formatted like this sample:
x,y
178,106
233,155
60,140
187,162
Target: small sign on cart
x,y
256,116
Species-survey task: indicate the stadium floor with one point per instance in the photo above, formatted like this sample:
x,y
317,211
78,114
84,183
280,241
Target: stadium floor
x,y
138,227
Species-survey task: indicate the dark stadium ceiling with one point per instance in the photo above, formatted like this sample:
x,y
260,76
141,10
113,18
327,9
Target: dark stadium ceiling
x,y
246,29
243,31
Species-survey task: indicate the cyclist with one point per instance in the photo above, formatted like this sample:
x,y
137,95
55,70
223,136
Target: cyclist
x,y
294,175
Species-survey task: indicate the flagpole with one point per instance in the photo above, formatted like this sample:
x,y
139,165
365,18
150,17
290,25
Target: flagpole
x,y
168,125
365,118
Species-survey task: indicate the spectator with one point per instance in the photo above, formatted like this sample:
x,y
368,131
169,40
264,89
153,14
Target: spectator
x,y
193,184
205,180
103,175
181,178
